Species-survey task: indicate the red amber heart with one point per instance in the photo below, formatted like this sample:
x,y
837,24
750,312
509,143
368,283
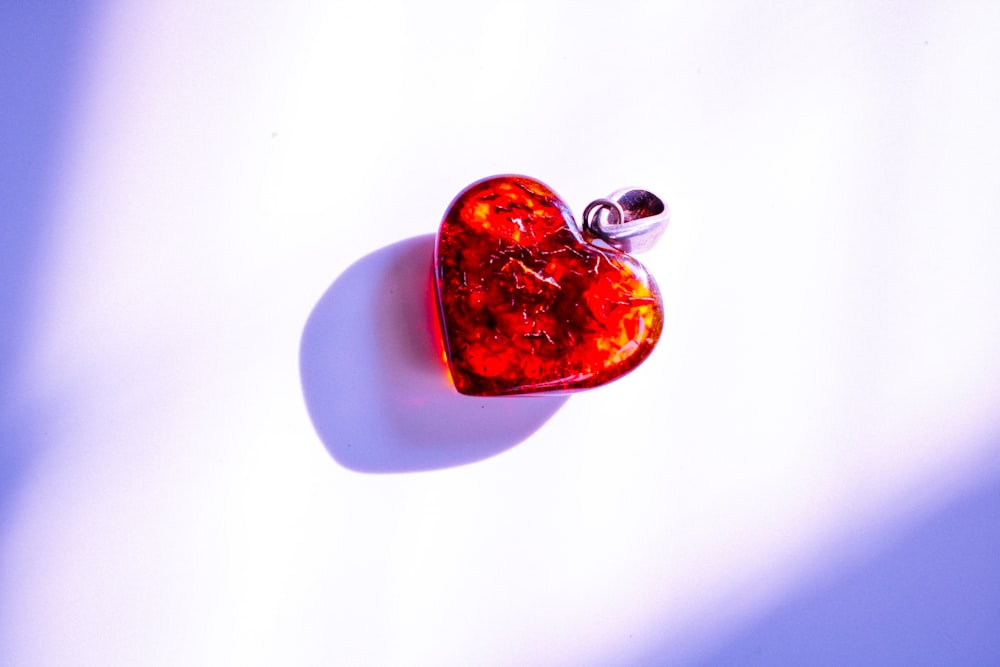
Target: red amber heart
x,y
527,305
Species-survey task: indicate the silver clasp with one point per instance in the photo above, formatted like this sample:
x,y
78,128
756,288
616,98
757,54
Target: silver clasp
x,y
631,220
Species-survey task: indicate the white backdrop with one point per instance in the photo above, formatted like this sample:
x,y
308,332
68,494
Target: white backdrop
x,y
226,439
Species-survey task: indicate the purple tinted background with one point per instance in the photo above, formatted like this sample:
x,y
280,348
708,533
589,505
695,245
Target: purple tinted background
x,y
930,598
39,47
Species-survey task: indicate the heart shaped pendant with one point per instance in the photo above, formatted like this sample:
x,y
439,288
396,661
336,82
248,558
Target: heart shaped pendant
x,y
530,302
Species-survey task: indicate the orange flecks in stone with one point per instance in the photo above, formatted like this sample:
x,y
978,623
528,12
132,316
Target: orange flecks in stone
x,y
526,305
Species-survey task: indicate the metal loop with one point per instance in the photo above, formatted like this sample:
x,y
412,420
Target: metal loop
x,y
595,208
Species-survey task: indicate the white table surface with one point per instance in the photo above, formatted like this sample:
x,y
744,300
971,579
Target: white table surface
x,y
226,438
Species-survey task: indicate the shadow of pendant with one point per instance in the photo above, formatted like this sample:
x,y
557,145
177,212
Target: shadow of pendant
x,y
374,381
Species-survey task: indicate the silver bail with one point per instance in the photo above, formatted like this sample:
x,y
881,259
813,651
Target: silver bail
x,y
631,219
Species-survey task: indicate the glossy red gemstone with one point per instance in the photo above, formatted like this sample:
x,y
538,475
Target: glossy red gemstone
x,y
526,304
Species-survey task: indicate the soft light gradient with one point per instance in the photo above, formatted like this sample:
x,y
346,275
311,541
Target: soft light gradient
x,y
806,471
